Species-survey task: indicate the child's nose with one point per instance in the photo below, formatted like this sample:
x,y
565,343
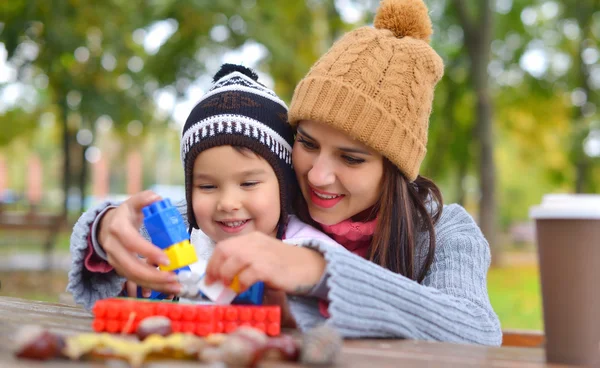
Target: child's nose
x,y
228,203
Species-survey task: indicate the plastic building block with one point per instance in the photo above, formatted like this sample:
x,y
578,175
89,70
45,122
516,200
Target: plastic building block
x,y
180,255
194,288
254,295
167,230
122,315
164,224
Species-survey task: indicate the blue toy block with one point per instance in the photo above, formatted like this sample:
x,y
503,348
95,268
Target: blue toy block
x,y
254,295
164,224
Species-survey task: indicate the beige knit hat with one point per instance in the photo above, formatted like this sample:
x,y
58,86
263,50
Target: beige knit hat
x,y
376,84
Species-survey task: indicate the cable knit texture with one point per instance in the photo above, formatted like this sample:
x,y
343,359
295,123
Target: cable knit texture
x,y
366,300
451,304
85,286
377,84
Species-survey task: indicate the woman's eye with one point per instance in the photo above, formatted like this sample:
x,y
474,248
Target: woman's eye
x,y
248,184
352,160
308,145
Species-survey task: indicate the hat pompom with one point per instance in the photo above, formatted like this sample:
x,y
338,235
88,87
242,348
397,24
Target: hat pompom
x,y
405,18
230,68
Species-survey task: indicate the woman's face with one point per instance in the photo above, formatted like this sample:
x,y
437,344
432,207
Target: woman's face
x,y
338,176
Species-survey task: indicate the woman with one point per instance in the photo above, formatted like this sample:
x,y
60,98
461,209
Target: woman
x,y
410,267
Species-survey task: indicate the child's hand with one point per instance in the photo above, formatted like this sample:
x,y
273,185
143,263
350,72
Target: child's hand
x,y
119,235
257,257
131,288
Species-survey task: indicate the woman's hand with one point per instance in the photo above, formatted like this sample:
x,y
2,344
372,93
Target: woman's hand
x,y
257,257
119,236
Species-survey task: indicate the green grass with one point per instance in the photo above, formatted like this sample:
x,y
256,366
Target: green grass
x,y
31,242
33,285
516,296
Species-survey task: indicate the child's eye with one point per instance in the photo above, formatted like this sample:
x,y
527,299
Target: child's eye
x,y
352,160
248,184
206,186
307,145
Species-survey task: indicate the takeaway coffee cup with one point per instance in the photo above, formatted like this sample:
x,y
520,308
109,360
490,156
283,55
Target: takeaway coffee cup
x,y
568,243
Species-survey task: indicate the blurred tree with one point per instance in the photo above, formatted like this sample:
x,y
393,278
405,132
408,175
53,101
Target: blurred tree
x,y
96,64
476,20
582,47
82,49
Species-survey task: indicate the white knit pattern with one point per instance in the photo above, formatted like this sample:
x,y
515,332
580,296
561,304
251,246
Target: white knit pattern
x,y
237,81
243,126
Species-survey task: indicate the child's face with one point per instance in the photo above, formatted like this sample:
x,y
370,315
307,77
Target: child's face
x,y
234,192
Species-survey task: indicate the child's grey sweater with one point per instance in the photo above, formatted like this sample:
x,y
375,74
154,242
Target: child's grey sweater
x,y
366,300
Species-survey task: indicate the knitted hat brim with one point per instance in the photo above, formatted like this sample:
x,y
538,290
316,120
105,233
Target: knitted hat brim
x,y
339,105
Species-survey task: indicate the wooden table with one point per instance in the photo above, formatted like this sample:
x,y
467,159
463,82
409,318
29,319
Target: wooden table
x,y
68,319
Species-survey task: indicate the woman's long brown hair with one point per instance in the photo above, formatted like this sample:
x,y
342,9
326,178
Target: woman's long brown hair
x,y
404,209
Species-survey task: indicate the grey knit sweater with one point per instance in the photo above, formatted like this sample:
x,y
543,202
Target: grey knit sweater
x,y
366,300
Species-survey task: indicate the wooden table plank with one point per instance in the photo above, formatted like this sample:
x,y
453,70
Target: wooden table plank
x,y
374,353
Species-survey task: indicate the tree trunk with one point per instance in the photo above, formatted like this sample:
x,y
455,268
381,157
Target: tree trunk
x,y
487,166
584,17
82,179
461,173
66,180
478,38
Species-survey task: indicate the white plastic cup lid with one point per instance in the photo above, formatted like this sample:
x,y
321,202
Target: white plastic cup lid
x,y
567,206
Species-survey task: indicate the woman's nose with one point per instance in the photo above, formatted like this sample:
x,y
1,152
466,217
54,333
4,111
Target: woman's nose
x,y
321,173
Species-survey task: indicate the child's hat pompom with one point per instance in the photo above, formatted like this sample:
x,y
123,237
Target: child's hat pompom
x,y
405,18
227,69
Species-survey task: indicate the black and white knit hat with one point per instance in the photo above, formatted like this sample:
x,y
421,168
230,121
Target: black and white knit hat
x,y
239,111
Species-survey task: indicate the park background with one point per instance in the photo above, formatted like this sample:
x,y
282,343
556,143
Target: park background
x,y
93,96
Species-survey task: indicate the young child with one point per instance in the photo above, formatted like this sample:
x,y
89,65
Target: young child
x,y
236,152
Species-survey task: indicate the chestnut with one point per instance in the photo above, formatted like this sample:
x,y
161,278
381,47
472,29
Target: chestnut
x,y
320,346
283,347
35,342
156,325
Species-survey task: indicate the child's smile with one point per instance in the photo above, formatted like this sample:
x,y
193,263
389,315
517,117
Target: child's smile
x,y
235,192
233,226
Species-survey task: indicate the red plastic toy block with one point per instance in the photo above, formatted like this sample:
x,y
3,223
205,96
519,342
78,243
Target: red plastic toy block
x,y
122,315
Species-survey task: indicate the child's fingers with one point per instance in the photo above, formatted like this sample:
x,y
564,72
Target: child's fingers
x,y
230,268
146,292
171,288
140,200
131,289
248,277
213,267
136,243
141,273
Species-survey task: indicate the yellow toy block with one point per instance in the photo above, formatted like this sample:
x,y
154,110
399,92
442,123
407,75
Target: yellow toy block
x,y
180,254
235,285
